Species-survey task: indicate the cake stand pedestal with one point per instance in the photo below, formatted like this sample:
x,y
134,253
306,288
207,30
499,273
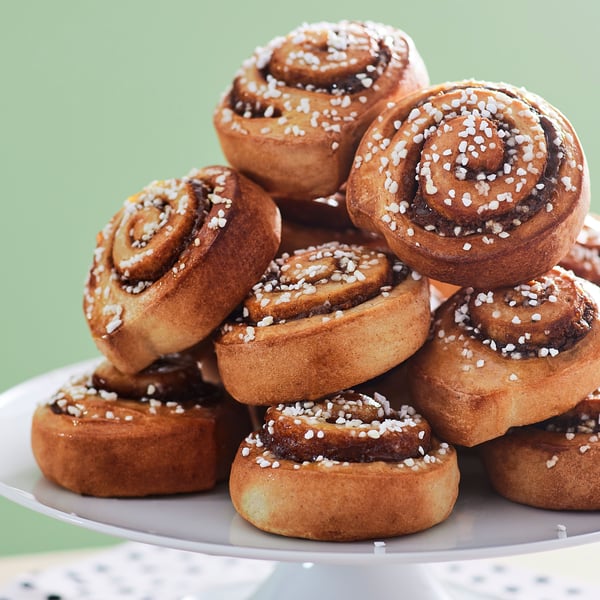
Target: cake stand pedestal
x,y
294,581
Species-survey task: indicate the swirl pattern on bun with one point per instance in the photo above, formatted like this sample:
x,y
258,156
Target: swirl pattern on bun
x,y
168,269
472,183
295,112
322,319
507,357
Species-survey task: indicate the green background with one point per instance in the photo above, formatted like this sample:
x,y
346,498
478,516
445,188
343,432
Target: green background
x,y
99,98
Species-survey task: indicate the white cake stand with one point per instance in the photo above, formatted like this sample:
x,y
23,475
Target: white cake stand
x,y
483,525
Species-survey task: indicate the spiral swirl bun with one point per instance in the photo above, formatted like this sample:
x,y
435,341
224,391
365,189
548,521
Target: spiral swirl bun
x,y
584,256
347,467
161,431
508,357
554,464
157,284
472,183
297,109
154,224
322,319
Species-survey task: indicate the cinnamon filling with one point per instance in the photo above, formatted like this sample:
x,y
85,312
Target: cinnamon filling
x,y
584,418
248,104
348,427
423,215
171,385
539,318
482,171
340,60
321,280
172,378
155,227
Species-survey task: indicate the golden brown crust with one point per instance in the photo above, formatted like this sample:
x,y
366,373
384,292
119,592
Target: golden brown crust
x,y
473,388
94,442
502,183
584,256
175,261
295,113
332,348
332,501
295,236
329,212
548,467
312,222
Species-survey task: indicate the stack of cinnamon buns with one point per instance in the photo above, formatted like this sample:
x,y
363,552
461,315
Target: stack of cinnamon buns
x,y
386,271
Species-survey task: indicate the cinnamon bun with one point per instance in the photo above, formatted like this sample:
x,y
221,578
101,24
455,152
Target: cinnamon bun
x,y
511,356
472,183
294,115
322,319
554,464
347,467
175,261
161,431
584,256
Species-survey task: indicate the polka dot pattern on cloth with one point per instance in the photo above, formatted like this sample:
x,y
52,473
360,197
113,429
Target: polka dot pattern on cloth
x,y
134,571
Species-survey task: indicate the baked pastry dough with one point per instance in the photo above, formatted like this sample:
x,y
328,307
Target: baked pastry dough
x,y
161,431
347,467
327,211
175,261
554,464
323,319
472,183
294,115
508,357
584,256
316,221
